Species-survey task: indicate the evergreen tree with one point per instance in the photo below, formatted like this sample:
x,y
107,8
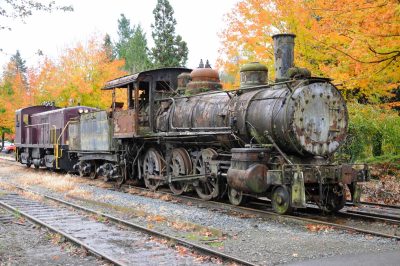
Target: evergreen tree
x,y
16,67
138,53
170,50
18,62
132,46
108,47
125,33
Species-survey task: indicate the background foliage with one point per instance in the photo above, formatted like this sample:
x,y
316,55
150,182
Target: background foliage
x,y
373,132
355,42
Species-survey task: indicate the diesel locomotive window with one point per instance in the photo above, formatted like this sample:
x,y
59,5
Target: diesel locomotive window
x,y
26,119
17,119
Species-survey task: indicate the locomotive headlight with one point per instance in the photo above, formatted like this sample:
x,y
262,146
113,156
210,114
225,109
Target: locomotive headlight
x,y
86,111
80,110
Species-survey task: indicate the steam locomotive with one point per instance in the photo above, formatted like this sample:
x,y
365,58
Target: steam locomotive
x,y
178,128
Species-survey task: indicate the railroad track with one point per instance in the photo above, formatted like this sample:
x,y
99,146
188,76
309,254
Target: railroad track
x,y
261,211
349,203
131,244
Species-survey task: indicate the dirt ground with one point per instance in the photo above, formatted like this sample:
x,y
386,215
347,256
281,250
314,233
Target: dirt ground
x,y
384,186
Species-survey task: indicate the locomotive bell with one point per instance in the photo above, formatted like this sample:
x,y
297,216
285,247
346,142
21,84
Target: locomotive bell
x,y
253,74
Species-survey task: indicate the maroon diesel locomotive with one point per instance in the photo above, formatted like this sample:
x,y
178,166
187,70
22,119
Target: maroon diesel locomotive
x,y
41,135
178,128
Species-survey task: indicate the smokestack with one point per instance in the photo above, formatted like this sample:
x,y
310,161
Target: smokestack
x,y
284,54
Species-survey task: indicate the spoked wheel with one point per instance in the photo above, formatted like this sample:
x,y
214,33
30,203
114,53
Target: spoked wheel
x,y
207,187
236,197
153,167
180,165
281,200
335,199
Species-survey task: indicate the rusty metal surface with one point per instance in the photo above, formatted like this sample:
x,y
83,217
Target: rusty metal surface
x,y
202,80
244,156
284,54
123,124
248,170
252,180
253,74
205,111
311,120
95,132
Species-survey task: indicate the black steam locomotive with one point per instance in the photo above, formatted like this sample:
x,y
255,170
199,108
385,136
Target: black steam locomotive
x,y
179,128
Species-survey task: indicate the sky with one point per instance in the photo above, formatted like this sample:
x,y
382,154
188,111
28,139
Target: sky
x,y
198,22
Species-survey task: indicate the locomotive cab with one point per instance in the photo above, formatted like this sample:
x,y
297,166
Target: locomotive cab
x,y
144,91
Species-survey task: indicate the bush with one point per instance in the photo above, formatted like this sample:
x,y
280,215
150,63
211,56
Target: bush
x,y
373,132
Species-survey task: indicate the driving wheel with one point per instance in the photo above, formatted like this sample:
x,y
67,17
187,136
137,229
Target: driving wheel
x,y
206,187
180,165
153,169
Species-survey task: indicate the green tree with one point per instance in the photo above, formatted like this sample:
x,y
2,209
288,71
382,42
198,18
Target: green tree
x,y
132,46
19,63
15,67
138,53
108,47
169,50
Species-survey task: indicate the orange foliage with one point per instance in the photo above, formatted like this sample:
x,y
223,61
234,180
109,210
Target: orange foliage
x,y
355,42
76,77
14,94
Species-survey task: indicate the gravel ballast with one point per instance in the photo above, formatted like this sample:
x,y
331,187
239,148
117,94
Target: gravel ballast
x,y
259,240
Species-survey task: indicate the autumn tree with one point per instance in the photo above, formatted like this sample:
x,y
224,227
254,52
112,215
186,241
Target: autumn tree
x,y
14,92
169,49
132,46
76,77
21,9
355,42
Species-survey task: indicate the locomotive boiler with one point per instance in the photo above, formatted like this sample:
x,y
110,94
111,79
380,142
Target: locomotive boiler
x,y
178,128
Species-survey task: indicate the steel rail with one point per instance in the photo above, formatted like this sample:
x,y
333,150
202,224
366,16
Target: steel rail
x,y
114,219
67,236
349,203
